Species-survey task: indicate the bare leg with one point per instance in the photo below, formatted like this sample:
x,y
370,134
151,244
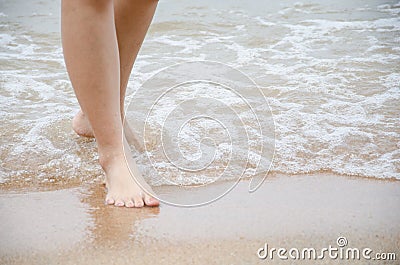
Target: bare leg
x,y
92,58
132,20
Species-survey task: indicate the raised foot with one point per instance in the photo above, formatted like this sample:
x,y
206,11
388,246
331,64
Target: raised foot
x,y
82,127
122,189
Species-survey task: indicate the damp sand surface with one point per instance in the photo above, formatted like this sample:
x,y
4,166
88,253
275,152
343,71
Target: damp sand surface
x,y
72,226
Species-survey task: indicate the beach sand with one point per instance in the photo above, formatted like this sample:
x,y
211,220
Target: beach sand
x,y
73,226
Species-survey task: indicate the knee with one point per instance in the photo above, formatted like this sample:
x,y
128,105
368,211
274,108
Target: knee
x,y
97,4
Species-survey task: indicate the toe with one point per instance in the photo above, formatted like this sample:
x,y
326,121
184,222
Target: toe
x,y
110,201
138,202
150,201
119,203
129,203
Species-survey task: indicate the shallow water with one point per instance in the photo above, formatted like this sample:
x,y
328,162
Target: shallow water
x,y
329,71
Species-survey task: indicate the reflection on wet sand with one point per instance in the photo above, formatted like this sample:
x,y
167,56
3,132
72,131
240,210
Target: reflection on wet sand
x,y
114,226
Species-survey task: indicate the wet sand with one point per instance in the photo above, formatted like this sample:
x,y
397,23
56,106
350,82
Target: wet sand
x,y
72,226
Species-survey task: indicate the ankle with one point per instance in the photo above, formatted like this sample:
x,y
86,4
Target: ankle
x,y
108,156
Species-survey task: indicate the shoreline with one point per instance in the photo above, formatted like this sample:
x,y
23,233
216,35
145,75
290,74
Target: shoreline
x,y
72,225
23,185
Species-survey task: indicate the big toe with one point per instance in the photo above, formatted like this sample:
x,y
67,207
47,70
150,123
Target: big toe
x,y
150,201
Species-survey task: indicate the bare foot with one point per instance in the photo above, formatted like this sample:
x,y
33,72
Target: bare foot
x,y
82,127
122,189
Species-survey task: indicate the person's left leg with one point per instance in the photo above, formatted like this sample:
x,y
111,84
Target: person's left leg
x,y
132,20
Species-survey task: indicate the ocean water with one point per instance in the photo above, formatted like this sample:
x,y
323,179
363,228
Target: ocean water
x,y
329,70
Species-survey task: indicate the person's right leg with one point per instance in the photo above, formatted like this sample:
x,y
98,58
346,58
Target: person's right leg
x,y
92,59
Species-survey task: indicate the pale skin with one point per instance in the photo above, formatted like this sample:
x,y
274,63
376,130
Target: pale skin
x,y
101,39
